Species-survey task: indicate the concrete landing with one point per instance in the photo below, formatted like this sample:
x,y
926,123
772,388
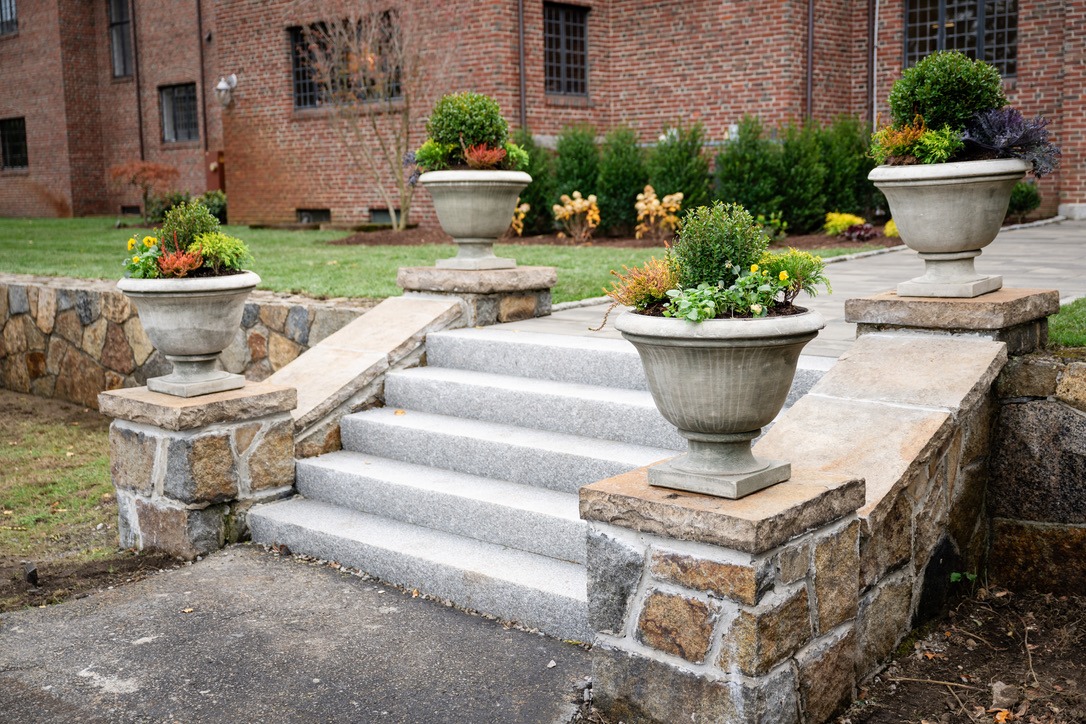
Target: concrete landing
x,y
247,636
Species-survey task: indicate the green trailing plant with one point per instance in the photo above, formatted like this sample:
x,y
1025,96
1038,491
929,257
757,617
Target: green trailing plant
x,y
141,261
678,164
946,89
577,167
541,192
463,124
221,253
749,171
715,243
622,176
1024,198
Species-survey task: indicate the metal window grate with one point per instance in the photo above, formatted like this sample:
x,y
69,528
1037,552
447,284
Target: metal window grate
x,y
306,93
120,38
987,30
179,121
565,42
13,143
9,17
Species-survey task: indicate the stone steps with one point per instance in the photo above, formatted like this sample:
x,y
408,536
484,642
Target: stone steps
x,y
534,590
532,519
465,484
608,413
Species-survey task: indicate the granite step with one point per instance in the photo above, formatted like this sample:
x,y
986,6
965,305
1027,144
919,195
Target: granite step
x,y
554,460
558,357
607,413
532,590
527,518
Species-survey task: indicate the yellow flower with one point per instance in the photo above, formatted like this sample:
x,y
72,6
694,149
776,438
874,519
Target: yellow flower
x,y
135,260
131,244
783,276
756,308
149,241
753,268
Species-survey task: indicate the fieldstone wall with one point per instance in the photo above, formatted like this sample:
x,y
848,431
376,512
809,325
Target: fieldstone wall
x,y
73,338
187,470
1038,476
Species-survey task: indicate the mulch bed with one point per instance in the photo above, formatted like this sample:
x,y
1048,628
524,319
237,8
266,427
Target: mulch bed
x,y
420,235
58,581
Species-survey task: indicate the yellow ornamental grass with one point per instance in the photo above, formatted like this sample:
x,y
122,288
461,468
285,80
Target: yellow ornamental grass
x,y
578,217
655,218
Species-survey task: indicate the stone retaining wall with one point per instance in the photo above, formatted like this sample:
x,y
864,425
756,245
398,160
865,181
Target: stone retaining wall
x,y
1038,476
73,338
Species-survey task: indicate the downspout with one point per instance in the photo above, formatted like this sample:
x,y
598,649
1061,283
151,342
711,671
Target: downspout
x,y
136,73
874,65
871,10
203,77
810,57
520,63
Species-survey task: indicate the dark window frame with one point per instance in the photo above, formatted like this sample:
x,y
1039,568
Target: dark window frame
x,y
985,29
9,17
307,92
565,50
181,120
13,149
120,37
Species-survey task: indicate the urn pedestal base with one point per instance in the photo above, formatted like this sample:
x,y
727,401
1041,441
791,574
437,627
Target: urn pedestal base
x,y
719,464
195,375
475,255
950,276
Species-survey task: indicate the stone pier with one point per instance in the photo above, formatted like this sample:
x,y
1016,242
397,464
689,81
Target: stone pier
x,y
186,470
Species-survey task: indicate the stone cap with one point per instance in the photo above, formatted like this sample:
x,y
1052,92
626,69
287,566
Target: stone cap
x,y
255,399
996,310
754,524
471,281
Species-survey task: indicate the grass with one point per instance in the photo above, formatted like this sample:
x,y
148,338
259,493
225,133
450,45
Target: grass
x,y
1068,327
298,261
56,487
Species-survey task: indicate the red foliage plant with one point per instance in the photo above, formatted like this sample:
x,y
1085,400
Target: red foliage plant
x,y
483,156
178,263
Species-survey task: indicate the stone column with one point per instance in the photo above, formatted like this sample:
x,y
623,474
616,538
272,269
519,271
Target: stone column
x,y
707,609
489,296
186,470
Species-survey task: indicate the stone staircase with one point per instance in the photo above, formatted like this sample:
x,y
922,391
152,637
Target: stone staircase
x,y
464,485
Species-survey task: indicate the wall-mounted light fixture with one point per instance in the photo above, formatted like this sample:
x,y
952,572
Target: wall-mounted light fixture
x,y
225,89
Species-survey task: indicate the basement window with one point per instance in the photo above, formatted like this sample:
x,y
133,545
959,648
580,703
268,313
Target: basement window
x,y
314,216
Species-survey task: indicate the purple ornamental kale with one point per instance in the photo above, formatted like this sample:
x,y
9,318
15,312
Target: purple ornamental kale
x,y
1008,134
408,162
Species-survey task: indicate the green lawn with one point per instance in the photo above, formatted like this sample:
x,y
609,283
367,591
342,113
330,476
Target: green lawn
x,y
295,261
1068,328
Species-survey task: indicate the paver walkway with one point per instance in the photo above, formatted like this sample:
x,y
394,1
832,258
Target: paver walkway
x,y
1052,256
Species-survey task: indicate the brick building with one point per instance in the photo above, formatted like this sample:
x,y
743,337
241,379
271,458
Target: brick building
x,y
604,62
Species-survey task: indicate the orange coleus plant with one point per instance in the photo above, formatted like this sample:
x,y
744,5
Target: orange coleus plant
x,y
482,156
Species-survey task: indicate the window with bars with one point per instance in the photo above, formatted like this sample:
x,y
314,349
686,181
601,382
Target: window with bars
x,y
13,143
179,120
120,38
981,29
346,63
9,18
565,44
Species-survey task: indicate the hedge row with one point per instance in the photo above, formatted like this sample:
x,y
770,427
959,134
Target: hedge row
x,y
799,170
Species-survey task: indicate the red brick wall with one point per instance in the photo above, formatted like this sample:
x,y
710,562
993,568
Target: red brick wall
x,y
79,25
33,88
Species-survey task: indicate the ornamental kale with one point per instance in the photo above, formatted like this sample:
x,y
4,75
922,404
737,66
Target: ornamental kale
x,y
1008,134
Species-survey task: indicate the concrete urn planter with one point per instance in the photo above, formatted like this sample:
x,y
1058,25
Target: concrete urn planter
x,y
948,212
475,208
191,321
719,382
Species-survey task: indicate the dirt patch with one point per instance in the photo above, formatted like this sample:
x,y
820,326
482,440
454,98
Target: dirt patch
x,y
57,509
998,657
420,236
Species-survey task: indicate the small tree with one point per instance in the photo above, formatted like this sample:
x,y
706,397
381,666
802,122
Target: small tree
x,y
375,66
150,178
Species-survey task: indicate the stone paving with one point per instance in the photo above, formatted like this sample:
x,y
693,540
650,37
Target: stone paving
x,y
1051,256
